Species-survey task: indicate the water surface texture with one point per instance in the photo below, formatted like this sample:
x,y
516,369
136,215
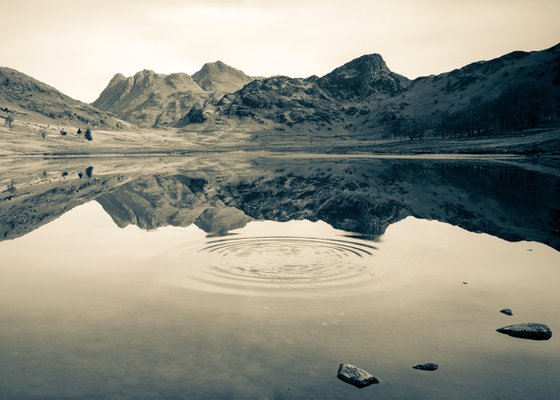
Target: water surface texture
x,y
240,278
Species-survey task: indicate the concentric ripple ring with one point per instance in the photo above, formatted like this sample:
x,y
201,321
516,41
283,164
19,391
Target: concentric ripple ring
x,y
285,265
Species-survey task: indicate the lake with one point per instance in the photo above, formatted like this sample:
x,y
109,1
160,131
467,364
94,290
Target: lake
x,y
237,276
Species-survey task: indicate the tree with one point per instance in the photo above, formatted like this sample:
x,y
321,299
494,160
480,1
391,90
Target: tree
x,y
88,134
9,121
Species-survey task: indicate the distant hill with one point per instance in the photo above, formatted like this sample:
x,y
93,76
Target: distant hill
x,y
153,100
26,98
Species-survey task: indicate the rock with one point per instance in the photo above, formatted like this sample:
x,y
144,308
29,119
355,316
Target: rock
x,y
427,366
355,376
506,311
529,330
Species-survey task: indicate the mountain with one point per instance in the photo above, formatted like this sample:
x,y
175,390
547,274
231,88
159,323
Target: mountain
x,y
148,99
153,100
336,100
514,92
360,99
26,98
219,77
363,77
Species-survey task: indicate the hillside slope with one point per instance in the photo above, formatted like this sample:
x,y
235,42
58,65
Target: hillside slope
x,y
23,97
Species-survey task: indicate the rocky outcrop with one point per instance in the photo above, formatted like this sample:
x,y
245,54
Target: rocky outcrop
x,y
281,100
363,77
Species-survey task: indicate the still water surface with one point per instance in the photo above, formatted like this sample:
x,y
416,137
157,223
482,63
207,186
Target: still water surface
x,y
111,300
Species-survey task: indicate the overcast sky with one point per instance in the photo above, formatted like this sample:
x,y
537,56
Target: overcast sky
x,y
77,45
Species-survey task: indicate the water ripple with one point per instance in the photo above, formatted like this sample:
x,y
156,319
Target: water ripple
x,y
278,265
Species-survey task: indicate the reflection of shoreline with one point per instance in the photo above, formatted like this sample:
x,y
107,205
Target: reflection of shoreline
x,y
360,195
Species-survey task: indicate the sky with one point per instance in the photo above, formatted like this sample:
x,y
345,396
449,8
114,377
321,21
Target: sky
x,y
77,46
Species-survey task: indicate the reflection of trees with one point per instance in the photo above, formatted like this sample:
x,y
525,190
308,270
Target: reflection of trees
x,y
502,200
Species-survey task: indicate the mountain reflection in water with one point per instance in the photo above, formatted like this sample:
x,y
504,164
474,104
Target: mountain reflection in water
x,y
363,196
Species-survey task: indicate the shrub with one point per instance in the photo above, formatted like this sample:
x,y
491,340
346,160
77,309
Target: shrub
x,y
9,121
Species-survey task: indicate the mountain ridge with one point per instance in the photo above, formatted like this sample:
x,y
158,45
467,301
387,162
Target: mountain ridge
x,y
153,100
364,95
513,92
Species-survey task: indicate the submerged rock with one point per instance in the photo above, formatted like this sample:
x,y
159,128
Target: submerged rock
x,y
355,376
529,330
506,311
427,366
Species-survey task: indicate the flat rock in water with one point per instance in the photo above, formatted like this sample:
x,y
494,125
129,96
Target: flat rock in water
x,y
427,366
355,376
506,311
529,330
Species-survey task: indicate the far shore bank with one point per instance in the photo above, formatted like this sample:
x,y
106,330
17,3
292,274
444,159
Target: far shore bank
x,y
176,143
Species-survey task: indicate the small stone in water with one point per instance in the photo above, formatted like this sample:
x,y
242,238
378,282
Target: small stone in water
x,y
529,330
355,376
465,283
506,311
427,366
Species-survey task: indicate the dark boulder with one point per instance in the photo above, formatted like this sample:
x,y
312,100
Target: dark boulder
x,y
426,366
529,330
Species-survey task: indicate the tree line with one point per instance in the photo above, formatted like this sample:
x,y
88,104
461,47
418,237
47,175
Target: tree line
x,y
517,108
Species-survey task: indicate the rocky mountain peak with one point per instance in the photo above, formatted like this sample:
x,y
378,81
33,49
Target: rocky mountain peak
x,y
149,99
369,64
220,77
117,78
145,76
216,66
362,77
